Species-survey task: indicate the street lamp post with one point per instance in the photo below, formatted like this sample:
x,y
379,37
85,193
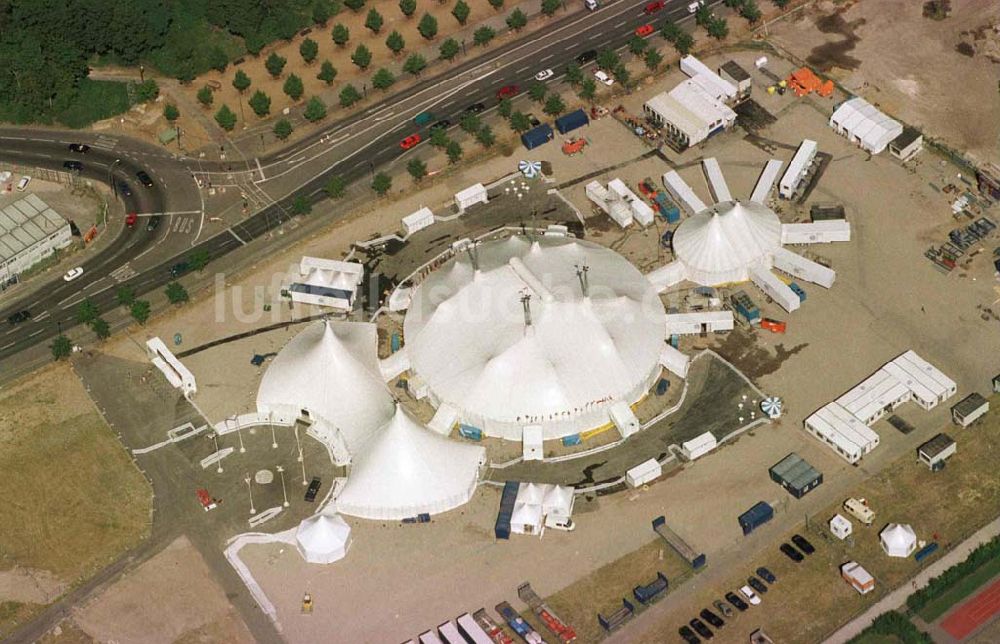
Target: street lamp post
x,y
463,46
215,439
274,439
239,432
246,479
298,445
284,495
111,177
303,461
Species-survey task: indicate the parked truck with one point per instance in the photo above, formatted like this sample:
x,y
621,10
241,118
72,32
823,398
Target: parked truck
x,y
517,623
755,517
745,307
492,629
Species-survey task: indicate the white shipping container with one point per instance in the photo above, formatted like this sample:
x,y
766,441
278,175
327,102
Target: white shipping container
x,y
716,180
674,361
473,632
450,634
816,232
643,473
682,192
775,288
698,446
417,221
802,268
693,323
797,168
766,181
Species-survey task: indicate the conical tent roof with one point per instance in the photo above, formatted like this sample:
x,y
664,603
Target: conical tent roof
x,y
898,540
323,538
331,370
406,469
719,244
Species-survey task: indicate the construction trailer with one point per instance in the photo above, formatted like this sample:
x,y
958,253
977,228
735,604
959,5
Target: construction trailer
x,y
969,409
774,288
936,451
731,72
765,181
817,232
699,322
842,432
907,144
795,475
797,169
716,180
804,269
682,192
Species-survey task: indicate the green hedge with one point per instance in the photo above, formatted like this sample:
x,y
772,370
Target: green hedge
x,y
941,584
892,624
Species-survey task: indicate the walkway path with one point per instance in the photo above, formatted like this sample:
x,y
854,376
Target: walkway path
x,y
897,598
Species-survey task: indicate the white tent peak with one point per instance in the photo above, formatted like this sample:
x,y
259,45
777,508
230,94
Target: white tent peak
x,y
898,540
323,537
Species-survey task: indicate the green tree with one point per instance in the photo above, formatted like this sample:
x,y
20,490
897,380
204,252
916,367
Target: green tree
x,y
146,91
554,105
670,31
574,75
275,64
225,118
505,107
87,311
308,49
517,20
750,11
362,57
170,112
260,103
140,311
61,347
461,12
486,137
283,129
383,79
454,152
703,16
415,63
622,74
637,45
408,7
395,42
374,21
321,11
205,96
217,59
101,328
428,26
198,260
449,49
684,43
537,92
125,296
335,187
340,34
354,5
781,4
519,122
241,82
315,110
496,4
439,138
718,28
381,184
483,35
608,59
349,95
417,169
549,7
176,293
327,72
588,89
293,87
653,59
470,123
301,205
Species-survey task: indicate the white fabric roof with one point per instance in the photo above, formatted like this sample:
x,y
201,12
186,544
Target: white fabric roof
x,y
407,469
719,244
323,538
467,336
859,119
898,540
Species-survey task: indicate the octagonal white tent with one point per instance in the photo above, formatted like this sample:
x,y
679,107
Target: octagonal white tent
x,y
323,538
562,363
898,540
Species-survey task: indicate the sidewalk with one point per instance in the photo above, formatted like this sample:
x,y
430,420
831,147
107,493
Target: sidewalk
x,y
897,598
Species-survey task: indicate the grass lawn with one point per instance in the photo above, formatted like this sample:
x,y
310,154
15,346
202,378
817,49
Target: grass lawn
x,y
877,639
965,587
95,100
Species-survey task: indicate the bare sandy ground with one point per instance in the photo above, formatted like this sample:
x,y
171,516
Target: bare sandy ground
x,y
30,585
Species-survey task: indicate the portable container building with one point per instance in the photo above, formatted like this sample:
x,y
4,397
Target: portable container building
x,y
699,322
643,473
842,431
507,498
765,181
716,180
859,578
797,168
698,446
936,451
449,633
934,387
430,637
817,232
641,211
573,120
906,144
417,221
674,361
969,409
537,136
840,526
795,475
755,517
774,288
731,72
803,268
712,82
471,631
472,195
875,396
682,192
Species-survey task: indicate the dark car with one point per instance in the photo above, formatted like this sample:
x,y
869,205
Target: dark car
x,y
736,601
688,635
123,189
179,269
313,489
803,544
791,553
757,585
766,575
79,148
20,316
475,108
700,628
711,618
144,178
153,224
534,121
587,57
723,608
74,166
443,124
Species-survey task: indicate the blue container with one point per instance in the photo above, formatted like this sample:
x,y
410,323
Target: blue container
x,y
798,291
394,342
925,552
571,121
755,517
470,432
502,527
537,136
662,386
572,439
675,340
646,594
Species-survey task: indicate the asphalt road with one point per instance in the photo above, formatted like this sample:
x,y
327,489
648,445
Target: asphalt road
x,y
351,148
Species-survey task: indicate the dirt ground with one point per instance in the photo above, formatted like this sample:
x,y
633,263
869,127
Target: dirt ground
x,y
888,53
61,528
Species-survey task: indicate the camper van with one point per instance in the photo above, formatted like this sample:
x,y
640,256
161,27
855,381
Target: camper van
x,y
592,5
858,508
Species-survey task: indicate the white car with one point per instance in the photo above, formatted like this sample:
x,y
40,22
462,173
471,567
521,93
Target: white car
x,y
73,274
603,78
750,595
545,74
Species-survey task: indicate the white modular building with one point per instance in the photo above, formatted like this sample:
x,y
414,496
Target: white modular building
x,y
689,113
842,432
765,181
877,395
816,232
716,181
610,202
674,361
30,231
417,220
698,446
699,322
797,168
907,144
327,282
643,473
470,196
969,409
774,288
802,268
710,81
731,72
640,210
864,125
929,385
682,192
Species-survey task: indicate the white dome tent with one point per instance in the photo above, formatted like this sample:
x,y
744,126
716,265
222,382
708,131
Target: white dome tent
x,y
515,340
323,538
898,540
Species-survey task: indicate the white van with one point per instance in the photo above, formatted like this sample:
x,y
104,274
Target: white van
x,y
695,5
592,5
23,183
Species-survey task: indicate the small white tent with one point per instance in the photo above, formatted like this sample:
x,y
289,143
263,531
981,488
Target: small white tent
x,y
898,540
323,538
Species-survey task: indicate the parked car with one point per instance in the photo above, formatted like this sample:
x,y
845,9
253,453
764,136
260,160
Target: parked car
x,y
443,124
144,178
750,595
409,141
123,188
588,56
72,274
179,269
23,183
79,148
534,121
711,618
508,91
757,585
723,608
803,544
131,219
602,77
700,628
313,489
20,316
153,223
653,7
688,635
644,31
791,553
736,601
476,108
545,74
766,575
73,166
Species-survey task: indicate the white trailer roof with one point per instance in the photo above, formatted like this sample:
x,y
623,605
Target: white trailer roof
x,y
803,157
861,120
667,275
766,181
843,429
802,268
678,115
695,68
816,232
710,109
716,180
873,394
926,374
674,361
683,322
699,442
775,288
682,192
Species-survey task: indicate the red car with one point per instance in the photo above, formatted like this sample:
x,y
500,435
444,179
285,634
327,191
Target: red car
x,y
653,7
409,141
130,219
644,31
508,91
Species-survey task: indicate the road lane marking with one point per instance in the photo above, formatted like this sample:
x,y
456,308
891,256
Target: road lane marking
x,y
7,346
42,316
34,333
233,233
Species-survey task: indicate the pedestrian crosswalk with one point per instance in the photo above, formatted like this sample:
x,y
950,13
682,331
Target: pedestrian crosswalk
x,y
123,273
104,142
